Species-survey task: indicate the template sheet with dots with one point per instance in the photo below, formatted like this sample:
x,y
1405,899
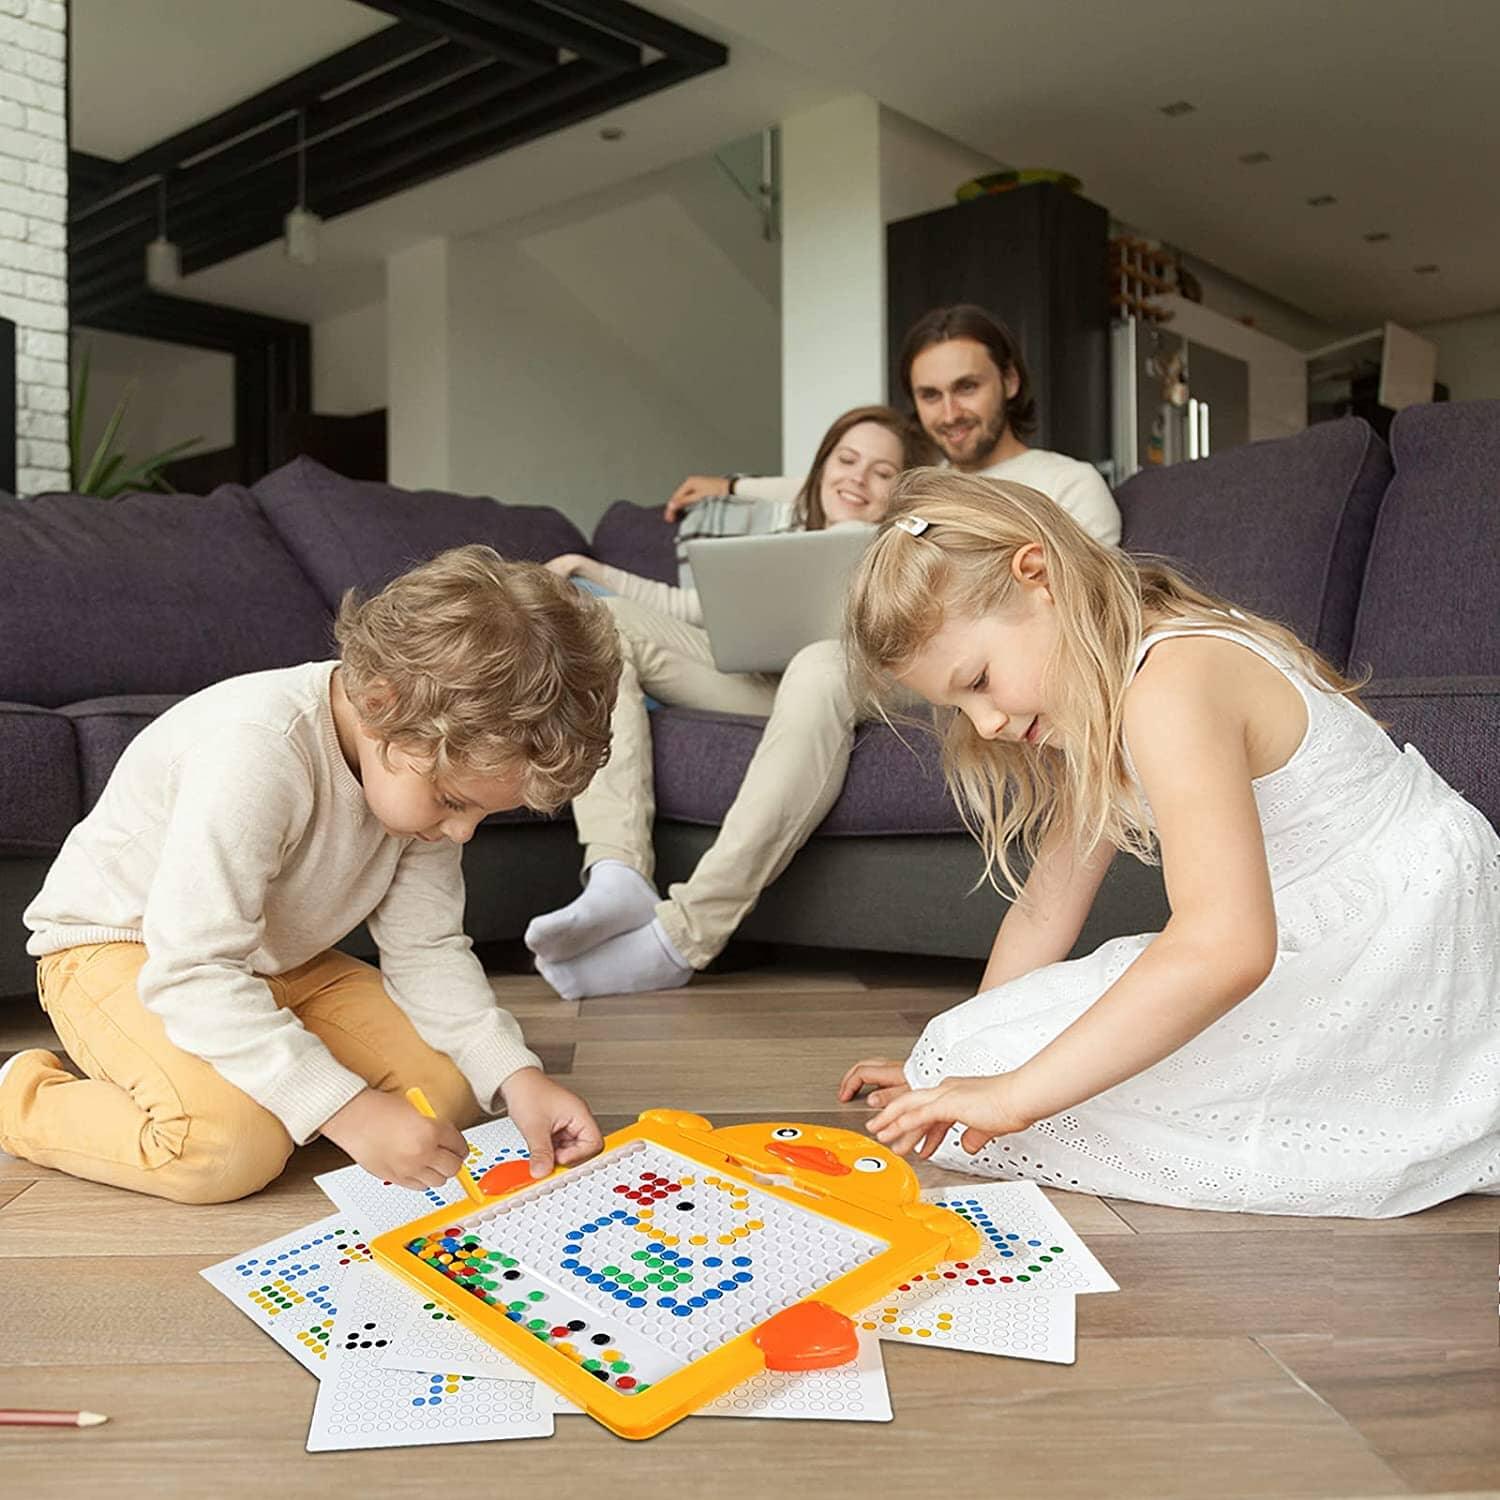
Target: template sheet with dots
x,y
292,1286
856,1392
382,1205
661,1258
363,1404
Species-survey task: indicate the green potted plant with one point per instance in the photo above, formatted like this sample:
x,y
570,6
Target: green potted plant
x,y
107,472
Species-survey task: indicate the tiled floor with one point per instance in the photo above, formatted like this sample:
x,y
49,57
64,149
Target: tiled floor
x,y
1241,1357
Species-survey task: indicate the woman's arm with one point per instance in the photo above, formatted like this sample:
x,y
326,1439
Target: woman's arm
x,y
1041,927
680,604
1187,724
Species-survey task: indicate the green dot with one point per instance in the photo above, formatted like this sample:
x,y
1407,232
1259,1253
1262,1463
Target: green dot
x,y
654,1278
1046,1258
471,1239
592,1364
620,1367
640,1255
507,1262
1033,1268
611,1270
536,1296
1057,1249
518,1307
1023,1277
653,1261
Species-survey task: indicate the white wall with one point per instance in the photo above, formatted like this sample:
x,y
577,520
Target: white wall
x,y
920,168
597,351
33,233
1468,360
176,393
348,362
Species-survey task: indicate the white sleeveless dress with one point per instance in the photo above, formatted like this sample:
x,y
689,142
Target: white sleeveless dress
x,y
1362,1078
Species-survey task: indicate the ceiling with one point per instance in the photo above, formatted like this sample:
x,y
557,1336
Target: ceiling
x,y
1389,108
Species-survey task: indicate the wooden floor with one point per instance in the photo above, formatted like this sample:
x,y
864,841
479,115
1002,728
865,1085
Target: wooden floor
x,y
1241,1357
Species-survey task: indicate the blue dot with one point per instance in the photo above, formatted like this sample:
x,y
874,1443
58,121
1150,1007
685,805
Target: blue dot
x,y
596,1278
1007,1255
419,1400
656,1247
1012,1236
619,1213
713,1294
683,1261
622,1296
632,1222
697,1302
570,1265
681,1312
636,1302
666,1302
726,1286
743,1276
713,1260
589,1228
434,1400
740,1260
515,1317
610,1286
1033,1242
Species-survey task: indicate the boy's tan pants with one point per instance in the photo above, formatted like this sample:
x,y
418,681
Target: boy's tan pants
x,y
154,1118
794,778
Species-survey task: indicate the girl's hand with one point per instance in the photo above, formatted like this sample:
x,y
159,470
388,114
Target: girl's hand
x,y
557,1124
885,1079
986,1107
566,564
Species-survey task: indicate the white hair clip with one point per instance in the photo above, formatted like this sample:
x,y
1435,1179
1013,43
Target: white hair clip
x,y
912,525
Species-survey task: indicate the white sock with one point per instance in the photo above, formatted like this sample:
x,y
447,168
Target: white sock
x,y
616,899
624,965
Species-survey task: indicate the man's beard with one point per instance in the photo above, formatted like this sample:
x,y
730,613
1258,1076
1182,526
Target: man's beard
x,y
979,442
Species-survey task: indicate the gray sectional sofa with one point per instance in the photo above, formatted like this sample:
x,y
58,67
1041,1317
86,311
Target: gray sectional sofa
x,y
110,610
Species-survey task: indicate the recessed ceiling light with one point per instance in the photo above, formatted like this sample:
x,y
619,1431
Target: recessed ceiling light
x,y
1255,158
1376,237
611,133
1322,200
1427,270
1177,107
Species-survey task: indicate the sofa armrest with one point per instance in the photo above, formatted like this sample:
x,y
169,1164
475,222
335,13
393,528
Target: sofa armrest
x,y
638,539
1455,723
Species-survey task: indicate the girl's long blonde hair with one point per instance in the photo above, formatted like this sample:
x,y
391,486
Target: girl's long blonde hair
x,y
958,565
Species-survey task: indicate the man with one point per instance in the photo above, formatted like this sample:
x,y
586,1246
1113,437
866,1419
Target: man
x,y
965,377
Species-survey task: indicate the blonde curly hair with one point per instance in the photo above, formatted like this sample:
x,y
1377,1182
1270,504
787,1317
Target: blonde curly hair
x,y
477,665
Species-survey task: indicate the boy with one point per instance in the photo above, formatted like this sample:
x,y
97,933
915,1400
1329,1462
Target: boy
x,y
183,932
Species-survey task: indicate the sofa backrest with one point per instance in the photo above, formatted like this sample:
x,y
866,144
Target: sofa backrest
x,y
1282,527
349,533
1428,606
638,539
146,594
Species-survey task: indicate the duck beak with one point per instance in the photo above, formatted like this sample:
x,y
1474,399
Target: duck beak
x,y
811,1158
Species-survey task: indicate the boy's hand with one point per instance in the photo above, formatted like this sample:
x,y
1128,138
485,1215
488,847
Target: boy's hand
x,y
986,1107
885,1079
388,1138
556,1123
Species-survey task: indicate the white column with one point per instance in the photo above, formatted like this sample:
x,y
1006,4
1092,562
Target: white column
x,y
419,415
832,270
33,233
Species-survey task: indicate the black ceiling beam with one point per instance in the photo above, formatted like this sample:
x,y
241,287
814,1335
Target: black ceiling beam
x,y
397,109
382,49
668,38
449,19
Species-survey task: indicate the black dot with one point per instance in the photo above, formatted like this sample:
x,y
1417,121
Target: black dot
x,y
512,1275
380,1343
600,1374
365,1344
577,1325
600,1338
682,1205
369,1325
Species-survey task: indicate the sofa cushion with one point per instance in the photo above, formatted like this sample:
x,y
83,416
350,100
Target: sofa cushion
x,y
103,727
351,533
1282,527
1429,600
39,774
147,594
1454,722
638,539
700,759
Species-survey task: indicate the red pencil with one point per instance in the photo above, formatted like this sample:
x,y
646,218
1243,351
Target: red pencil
x,y
50,1418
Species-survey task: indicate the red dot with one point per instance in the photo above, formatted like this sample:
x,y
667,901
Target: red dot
x,y
962,1265
561,1332
649,1177
970,1281
1007,1278
674,1187
626,1382
904,1287
453,1231
950,1275
623,1188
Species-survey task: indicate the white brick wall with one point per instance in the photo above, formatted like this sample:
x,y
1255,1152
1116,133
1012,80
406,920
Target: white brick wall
x,y
33,232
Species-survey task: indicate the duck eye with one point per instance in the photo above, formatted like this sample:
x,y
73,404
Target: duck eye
x,y
786,1133
869,1164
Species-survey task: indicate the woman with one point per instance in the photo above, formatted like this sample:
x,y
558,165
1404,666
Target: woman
x,y
619,936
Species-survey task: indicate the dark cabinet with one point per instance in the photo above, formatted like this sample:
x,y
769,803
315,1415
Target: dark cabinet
x,y
1037,258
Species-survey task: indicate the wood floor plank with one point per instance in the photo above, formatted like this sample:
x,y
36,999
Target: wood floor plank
x,y
11,1190
1153,1418
1429,1411
1461,1216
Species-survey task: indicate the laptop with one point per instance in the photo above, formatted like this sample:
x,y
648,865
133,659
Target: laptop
x,y
766,597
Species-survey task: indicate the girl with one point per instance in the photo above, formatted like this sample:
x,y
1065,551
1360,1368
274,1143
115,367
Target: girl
x,y
1317,1028
619,937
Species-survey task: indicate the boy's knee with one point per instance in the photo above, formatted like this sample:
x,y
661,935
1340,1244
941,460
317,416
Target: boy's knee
x,y
450,1096
229,1159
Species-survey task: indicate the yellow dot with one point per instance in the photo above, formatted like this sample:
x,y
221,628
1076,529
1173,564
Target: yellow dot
x,y
687,1181
611,1355
887,1321
754,1224
903,1330
669,1239
567,1349
712,1181
924,1333
698,1239
726,1239
867,1325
